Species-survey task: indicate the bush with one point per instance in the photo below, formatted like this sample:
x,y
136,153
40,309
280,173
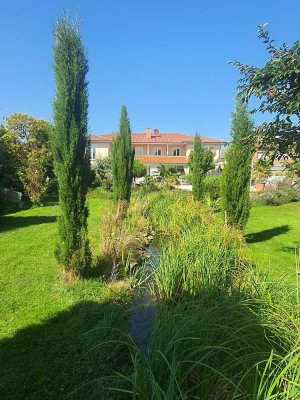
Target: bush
x,y
213,186
278,193
124,236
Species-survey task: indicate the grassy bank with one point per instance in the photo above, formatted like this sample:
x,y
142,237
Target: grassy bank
x,y
220,332
273,233
49,329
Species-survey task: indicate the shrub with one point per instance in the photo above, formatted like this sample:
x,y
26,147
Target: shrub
x,y
213,186
279,193
124,236
139,169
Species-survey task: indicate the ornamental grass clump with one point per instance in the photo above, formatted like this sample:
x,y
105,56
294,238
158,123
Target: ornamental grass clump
x,y
123,238
229,346
220,331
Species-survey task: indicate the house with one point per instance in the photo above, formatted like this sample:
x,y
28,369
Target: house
x,y
154,148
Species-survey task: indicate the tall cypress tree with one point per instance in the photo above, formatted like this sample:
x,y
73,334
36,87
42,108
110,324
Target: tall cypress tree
x,y
70,146
122,159
235,180
201,161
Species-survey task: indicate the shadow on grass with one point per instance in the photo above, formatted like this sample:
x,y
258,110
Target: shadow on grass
x,y
267,234
9,222
69,350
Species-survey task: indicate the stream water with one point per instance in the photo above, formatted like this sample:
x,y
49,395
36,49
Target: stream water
x,y
144,304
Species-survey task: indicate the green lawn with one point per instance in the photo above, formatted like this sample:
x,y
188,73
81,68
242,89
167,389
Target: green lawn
x,y
273,232
48,329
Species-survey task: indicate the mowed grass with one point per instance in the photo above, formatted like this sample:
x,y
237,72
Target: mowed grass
x,y
48,328
273,234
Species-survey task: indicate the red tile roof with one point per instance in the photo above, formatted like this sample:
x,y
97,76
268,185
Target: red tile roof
x,y
159,138
162,159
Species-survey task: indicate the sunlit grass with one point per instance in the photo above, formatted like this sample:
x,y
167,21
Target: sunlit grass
x,y
45,324
273,234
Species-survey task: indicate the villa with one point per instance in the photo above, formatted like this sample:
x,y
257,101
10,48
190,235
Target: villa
x,y
154,148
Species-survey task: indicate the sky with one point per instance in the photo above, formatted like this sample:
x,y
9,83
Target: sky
x,y
166,60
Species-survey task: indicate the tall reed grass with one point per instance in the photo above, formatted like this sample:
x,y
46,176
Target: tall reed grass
x,y
220,332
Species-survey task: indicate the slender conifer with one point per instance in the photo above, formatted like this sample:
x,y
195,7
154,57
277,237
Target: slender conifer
x,y
235,180
201,161
122,159
70,146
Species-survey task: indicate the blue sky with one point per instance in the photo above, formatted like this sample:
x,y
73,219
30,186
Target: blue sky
x,y
166,60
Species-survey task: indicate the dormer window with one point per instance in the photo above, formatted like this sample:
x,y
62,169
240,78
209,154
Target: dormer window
x,y
176,152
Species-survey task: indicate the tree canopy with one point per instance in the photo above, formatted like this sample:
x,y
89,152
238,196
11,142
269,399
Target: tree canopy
x,y
277,86
27,141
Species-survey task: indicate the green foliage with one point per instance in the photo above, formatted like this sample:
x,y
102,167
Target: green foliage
x,y
166,170
27,141
235,179
139,169
275,194
213,186
219,332
8,173
293,167
276,84
122,159
200,162
103,171
70,146
262,169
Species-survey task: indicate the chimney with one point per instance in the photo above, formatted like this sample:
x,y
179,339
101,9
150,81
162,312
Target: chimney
x,y
148,133
156,131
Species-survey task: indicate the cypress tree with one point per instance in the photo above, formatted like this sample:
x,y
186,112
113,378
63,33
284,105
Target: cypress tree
x,y
201,161
235,180
122,159
70,146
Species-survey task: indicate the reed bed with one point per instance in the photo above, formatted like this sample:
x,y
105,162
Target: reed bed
x,y
221,332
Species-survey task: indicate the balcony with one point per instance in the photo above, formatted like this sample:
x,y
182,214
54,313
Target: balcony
x,y
152,159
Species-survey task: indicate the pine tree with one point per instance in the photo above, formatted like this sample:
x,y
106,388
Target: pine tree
x,y
201,161
235,180
122,159
70,146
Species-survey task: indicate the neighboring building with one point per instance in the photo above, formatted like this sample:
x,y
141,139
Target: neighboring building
x,y
279,163
155,148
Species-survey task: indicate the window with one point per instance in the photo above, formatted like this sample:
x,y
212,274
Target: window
x,y
138,151
92,153
157,152
176,152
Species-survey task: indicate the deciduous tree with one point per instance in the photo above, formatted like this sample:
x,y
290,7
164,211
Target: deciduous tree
x,y
27,140
277,86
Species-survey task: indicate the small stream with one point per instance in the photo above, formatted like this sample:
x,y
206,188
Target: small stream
x,y
144,305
